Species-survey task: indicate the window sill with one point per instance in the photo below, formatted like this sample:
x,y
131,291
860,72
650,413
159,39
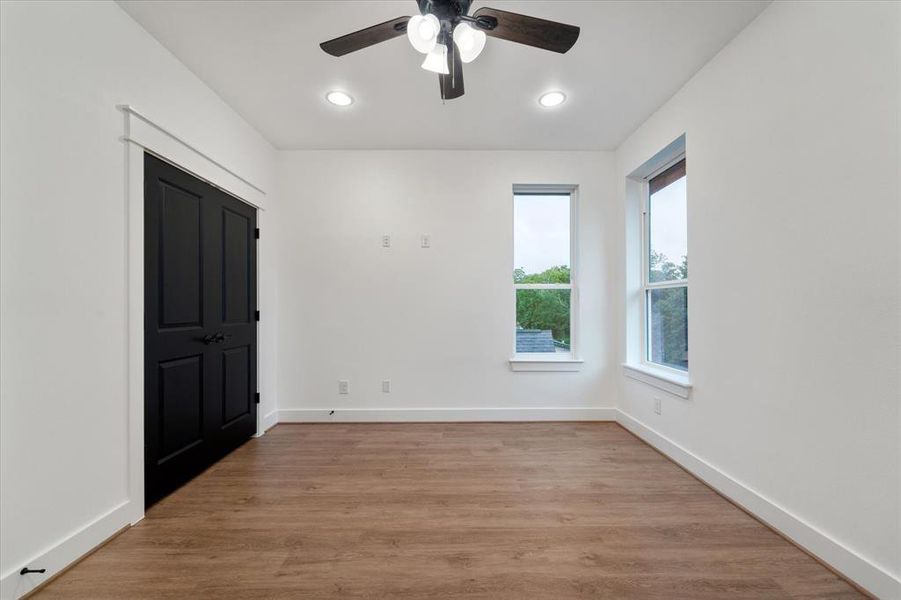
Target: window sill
x,y
674,383
543,363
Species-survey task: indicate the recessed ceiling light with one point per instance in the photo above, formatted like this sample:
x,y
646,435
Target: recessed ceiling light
x,y
551,99
339,98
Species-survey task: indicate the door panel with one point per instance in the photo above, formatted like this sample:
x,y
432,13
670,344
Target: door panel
x,y
180,258
237,397
181,405
200,332
237,236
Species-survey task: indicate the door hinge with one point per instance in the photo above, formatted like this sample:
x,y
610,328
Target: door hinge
x,y
256,233
257,397
257,315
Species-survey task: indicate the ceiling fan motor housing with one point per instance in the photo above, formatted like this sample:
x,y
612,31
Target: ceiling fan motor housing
x,y
445,10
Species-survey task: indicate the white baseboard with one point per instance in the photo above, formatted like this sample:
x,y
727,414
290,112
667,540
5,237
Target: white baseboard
x,y
869,576
66,551
267,422
437,415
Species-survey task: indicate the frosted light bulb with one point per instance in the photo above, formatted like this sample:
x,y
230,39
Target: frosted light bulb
x,y
470,41
422,31
436,60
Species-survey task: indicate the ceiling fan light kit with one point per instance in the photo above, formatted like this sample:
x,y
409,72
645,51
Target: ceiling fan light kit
x,y
449,37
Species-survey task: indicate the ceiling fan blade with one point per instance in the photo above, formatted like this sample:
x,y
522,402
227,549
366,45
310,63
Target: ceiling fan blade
x,y
451,85
531,31
366,37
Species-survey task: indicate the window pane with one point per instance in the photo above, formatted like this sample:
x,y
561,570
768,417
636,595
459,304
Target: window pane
x,y
542,321
668,229
541,238
668,327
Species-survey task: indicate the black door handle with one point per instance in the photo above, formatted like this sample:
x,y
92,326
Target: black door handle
x,y
214,338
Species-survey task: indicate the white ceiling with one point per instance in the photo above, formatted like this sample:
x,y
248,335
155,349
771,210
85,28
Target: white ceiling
x,y
263,58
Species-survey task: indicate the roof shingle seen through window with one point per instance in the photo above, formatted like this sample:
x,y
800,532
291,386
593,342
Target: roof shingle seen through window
x,y
534,340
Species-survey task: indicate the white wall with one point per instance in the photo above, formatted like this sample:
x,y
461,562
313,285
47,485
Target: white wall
x,y
793,179
63,415
437,322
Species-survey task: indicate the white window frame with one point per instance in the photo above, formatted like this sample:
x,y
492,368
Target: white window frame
x,y
571,360
647,285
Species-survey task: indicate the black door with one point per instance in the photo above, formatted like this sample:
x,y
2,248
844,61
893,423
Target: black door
x,y
200,334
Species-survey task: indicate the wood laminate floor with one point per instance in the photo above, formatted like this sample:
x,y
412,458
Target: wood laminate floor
x,y
416,511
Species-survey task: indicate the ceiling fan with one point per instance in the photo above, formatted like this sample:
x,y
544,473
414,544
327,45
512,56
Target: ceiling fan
x,y
449,37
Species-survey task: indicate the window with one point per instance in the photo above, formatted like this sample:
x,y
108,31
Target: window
x,y
544,279
666,268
